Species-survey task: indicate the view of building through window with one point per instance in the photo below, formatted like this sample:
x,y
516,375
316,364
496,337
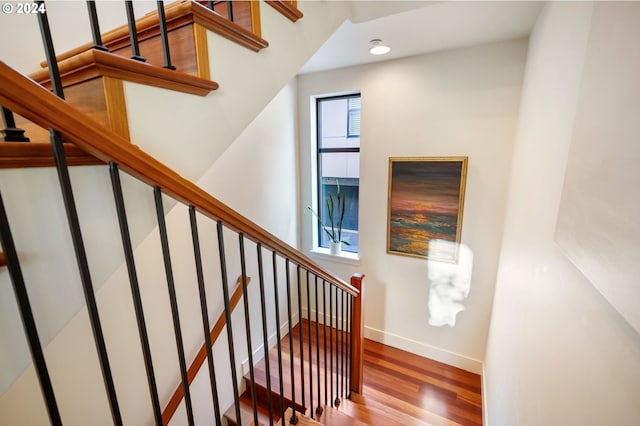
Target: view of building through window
x,y
339,163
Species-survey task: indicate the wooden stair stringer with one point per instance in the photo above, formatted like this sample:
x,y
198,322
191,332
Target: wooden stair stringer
x,y
93,83
182,16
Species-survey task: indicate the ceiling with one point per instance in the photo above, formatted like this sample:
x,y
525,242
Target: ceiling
x,y
418,27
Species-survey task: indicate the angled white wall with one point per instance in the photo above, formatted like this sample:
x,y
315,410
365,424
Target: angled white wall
x,y
558,354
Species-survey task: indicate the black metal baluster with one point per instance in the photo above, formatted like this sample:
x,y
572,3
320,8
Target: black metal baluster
x,y
26,314
342,347
324,335
83,268
247,324
11,132
205,312
265,333
164,242
133,32
95,26
331,340
162,21
301,330
49,51
230,10
349,343
279,345
319,407
127,247
210,4
227,316
310,350
294,417
338,352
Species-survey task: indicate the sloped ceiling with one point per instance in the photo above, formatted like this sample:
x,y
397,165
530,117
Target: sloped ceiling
x,y
417,27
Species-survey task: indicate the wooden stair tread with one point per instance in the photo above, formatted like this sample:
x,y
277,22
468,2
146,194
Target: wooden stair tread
x,y
246,413
302,420
96,63
36,154
260,375
335,417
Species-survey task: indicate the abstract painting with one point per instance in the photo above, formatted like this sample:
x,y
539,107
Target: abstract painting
x,y
426,198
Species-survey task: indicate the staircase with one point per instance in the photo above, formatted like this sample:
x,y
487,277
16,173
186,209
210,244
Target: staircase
x,y
336,409
313,371
94,123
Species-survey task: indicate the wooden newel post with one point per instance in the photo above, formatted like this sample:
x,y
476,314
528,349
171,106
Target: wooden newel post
x,y
357,336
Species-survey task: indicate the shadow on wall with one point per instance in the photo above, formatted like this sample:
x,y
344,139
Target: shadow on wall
x,y
449,283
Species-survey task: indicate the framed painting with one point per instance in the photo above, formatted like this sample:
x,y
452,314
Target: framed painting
x,y
426,200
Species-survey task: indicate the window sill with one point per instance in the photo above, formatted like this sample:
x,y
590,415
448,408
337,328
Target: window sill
x,y
348,258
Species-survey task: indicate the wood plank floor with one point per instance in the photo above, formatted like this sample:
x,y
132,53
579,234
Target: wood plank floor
x,y
435,393
396,383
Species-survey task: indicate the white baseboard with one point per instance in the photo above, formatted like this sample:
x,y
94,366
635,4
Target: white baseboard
x,y
425,350
485,415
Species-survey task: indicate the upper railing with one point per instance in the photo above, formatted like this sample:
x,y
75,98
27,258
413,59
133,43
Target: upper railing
x,y
340,302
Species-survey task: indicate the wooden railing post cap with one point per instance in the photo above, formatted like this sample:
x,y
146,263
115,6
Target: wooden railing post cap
x,y
356,280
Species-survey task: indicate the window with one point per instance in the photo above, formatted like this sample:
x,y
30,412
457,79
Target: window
x,y
338,154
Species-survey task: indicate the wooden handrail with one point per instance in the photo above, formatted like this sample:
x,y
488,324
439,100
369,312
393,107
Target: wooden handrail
x,y
201,356
3,261
37,104
357,337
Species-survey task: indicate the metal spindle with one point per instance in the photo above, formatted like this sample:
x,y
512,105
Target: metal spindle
x,y
349,343
331,340
342,347
95,26
11,132
338,353
310,350
319,407
49,51
324,335
205,313
230,10
133,32
164,242
300,329
26,314
227,316
294,417
279,345
162,22
265,332
247,323
85,276
127,247
210,4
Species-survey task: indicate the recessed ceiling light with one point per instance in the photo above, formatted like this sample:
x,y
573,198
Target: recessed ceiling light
x,y
377,48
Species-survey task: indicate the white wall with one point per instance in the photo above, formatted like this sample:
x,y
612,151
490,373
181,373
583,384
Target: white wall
x,y
266,194
457,103
558,353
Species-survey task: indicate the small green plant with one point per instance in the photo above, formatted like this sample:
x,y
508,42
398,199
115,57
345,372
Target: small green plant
x,y
336,207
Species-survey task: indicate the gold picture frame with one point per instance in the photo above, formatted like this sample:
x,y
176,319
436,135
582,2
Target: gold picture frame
x,y
425,206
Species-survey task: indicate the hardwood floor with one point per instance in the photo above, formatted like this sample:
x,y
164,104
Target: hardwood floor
x,y
400,388
435,393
